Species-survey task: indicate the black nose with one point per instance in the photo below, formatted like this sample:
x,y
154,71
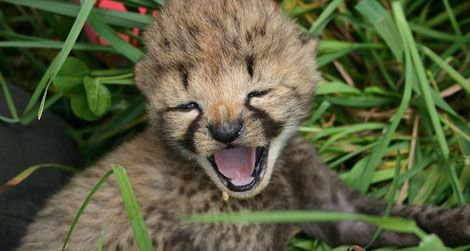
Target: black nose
x,y
227,132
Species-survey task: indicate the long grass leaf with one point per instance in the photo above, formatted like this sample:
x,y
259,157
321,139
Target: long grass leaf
x,y
447,68
50,44
383,23
378,152
60,58
322,20
8,98
30,170
133,211
392,223
111,36
124,19
84,205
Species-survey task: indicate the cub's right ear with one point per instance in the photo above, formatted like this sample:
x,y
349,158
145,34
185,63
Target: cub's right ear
x,y
310,42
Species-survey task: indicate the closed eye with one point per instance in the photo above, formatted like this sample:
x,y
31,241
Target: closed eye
x,y
187,107
255,94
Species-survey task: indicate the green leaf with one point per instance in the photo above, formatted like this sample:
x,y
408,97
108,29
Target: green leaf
x,y
98,96
80,108
71,74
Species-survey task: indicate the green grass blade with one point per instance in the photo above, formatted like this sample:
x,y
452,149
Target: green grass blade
x,y
391,198
322,20
383,23
9,100
101,240
319,111
447,68
28,117
30,170
392,223
112,37
50,44
133,211
352,154
60,58
335,87
433,33
124,19
84,205
378,152
439,19
426,91
453,19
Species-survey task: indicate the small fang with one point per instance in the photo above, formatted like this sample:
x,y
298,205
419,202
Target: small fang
x,y
225,196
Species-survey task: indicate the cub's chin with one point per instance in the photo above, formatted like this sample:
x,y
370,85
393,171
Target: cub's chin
x,y
242,172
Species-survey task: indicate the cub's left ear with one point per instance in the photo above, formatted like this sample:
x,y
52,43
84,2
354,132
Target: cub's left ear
x,y
309,42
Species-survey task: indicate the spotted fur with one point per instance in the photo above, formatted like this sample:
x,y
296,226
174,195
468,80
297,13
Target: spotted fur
x,y
210,62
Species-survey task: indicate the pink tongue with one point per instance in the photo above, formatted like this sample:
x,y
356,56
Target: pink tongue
x,y
237,164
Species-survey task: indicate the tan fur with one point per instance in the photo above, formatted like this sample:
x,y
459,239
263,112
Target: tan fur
x,y
201,51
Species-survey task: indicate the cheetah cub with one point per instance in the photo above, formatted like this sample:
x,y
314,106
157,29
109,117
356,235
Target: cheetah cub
x,y
228,82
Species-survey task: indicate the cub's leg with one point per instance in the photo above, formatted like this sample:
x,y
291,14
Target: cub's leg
x,y
318,188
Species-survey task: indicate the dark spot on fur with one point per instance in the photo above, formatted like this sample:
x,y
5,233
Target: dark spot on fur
x,y
261,29
215,197
190,191
250,61
249,37
193,31
238,237
187,177
182,240
150,210
166,43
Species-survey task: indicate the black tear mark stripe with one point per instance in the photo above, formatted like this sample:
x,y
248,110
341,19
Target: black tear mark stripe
x,y
271,127
184,74
250,61
188,139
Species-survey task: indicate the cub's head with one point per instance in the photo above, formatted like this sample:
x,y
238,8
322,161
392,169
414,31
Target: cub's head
x,y
228,83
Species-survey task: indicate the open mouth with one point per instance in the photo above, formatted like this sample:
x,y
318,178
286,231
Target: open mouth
x,y
240,169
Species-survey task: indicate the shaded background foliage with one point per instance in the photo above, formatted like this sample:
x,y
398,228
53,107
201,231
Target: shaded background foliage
x,y
396,87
